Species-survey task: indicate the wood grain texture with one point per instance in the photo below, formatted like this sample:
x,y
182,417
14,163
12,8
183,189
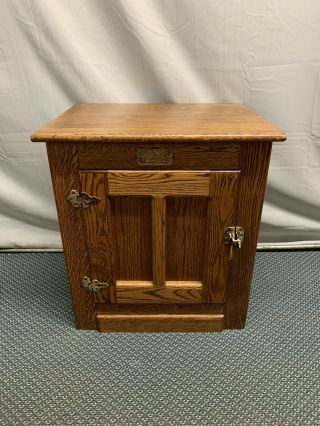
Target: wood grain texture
x,y
160,318
123,156
134,292
158,183
254,162
158,208
132,236
64,172
186,228
99,231
158,122
221,214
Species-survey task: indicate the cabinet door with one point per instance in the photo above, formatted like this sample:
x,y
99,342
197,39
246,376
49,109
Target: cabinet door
x,y
157,237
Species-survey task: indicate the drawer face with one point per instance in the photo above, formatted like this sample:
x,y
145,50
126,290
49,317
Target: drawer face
x,y
168,156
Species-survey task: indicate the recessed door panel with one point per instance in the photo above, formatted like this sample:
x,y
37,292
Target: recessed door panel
x,y
132,239
185,237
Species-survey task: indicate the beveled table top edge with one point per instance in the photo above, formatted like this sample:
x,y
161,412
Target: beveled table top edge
x,y
158,123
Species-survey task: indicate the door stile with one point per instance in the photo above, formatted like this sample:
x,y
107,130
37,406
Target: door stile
x,y
221,214
159,241
98,226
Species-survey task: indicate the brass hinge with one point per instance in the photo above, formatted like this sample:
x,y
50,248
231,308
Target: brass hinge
x,y
94,285
82,199
234,236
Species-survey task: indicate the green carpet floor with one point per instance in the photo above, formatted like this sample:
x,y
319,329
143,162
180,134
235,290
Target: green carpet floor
x,y
267,374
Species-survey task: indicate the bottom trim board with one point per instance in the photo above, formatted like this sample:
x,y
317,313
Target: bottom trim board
x,y
135,292
160,318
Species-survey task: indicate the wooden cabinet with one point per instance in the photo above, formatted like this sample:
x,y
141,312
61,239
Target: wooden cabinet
x,y
159,209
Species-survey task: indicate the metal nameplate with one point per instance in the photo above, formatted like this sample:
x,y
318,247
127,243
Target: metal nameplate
x,y
154,156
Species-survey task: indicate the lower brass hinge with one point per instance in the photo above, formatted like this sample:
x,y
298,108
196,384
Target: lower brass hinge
x,y
82,199
93,285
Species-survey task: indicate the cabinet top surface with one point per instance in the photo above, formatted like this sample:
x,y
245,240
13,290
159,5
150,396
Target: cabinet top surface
x,y
158,122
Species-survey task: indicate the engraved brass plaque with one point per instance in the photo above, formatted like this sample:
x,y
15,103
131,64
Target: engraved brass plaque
x,y
154,156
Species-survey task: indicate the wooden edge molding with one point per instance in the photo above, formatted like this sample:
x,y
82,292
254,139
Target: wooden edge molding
x,y
154,318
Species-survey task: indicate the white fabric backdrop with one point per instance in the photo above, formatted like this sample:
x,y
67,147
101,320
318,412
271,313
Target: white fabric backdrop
x,y
53,54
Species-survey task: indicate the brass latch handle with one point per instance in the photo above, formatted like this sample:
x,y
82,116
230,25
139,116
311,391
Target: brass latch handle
x,y
82,199
234,236
93,285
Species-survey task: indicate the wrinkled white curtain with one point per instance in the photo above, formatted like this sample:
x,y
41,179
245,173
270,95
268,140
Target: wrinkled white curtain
x,y
53,54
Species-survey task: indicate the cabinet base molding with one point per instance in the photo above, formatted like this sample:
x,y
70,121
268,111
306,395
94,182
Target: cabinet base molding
x,y
153,318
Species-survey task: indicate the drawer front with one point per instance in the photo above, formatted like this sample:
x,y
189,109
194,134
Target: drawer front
x,y
169,156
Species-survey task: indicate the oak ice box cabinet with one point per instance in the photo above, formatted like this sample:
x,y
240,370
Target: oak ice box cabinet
x,y
159,208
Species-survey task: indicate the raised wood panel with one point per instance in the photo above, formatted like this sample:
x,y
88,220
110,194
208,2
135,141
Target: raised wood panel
x,y
200,156
158,183
64,173
221,214
254,163
133,292
186,228
131,217
160,318
99,231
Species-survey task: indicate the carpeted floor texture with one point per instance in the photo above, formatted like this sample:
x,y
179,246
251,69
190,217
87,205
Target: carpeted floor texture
x,y
267,374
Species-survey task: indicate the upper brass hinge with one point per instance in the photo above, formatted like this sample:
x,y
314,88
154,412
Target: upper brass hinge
x,y
82,199
93,285
234,236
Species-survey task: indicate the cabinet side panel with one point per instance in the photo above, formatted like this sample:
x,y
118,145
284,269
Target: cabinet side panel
x,y
64,172
254,164
131,218
185,238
